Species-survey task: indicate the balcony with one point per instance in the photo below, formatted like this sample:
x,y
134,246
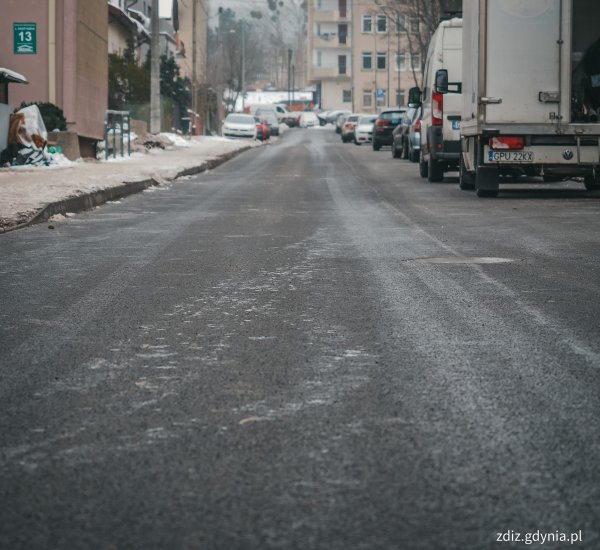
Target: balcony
x,y
331,41
331,16
318,73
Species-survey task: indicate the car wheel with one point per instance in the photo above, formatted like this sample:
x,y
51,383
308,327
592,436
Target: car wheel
x,y
423,168
413,156
376,146
357,142
395,152
435,170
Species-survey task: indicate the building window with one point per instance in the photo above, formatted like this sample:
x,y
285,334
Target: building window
x,y
319,58
367,23
400,61
401,23
347,96
367,98
342,64
381,60
400,98
381,23
414,24
415,61
367,60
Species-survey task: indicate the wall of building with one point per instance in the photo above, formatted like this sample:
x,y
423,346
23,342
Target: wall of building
x,y
33,67
70,67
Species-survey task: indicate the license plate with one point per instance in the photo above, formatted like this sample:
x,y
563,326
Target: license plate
x,y
511,156
456,124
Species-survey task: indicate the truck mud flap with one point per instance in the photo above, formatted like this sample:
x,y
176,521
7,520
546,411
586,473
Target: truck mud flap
x,y
487,178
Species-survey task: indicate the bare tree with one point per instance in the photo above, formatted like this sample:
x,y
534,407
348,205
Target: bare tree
x,y
418,19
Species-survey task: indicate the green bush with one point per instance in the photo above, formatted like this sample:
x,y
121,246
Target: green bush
x,y
53,116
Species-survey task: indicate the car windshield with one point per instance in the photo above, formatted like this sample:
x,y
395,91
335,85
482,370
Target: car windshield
x,y
367,120
239,119
352,118
392,116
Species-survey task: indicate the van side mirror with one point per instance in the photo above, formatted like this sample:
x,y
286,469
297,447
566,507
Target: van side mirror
x,y
414,96
441,81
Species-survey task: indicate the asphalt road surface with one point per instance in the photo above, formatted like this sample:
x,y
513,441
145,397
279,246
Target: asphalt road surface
x,y
308,348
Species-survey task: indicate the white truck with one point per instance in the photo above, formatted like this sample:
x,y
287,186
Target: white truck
x,y
531,92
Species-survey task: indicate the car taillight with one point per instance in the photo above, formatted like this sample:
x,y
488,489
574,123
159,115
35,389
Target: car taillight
x,y
437,109
382,123
418,125
507,142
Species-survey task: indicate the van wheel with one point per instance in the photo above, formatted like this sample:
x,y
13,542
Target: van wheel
x,y
466,181
423,167
591,182
413,155
435,170
404,149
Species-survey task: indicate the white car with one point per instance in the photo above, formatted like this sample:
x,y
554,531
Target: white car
x,y
239,125
363,133
308,119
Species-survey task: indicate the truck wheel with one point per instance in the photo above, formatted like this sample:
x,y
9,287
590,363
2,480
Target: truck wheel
x,y
466,182
435,170
423,168
591,182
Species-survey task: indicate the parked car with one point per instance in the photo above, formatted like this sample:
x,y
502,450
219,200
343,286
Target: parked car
x,y
414,138
262,128
339,121
333,115
308,119
239,125
384,126
363,133
323,117
400,134
442,102
271,118
348,127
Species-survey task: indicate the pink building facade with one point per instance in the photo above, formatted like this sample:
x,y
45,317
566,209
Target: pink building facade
x,y
70,65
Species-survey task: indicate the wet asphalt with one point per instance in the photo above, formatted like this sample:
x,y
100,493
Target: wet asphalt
x,y
308,348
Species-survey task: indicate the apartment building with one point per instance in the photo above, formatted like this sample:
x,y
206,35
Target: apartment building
x,y
360,59
64,59
330,52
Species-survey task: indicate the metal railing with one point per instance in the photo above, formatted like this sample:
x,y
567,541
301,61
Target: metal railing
x,y
113,121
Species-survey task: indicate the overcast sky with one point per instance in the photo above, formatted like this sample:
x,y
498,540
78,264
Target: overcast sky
x,y
237,5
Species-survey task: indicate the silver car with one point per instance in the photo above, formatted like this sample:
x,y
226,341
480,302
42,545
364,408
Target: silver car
x,y
363,133
239,125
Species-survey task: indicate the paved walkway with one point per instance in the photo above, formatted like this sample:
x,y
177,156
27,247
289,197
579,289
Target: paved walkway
x,y
25,191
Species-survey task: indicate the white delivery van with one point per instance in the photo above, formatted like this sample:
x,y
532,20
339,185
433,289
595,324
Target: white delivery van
x,y
531,91
442,102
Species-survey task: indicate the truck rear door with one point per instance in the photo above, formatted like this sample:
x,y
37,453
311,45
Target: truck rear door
x,y
522,60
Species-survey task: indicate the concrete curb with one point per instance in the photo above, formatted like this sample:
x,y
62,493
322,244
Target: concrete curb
x,y
87,201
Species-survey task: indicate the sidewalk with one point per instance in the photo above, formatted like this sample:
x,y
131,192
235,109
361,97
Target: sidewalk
x,y
33,194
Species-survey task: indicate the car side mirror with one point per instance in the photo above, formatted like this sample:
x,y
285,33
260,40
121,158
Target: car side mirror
x,y
441,81
414,96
